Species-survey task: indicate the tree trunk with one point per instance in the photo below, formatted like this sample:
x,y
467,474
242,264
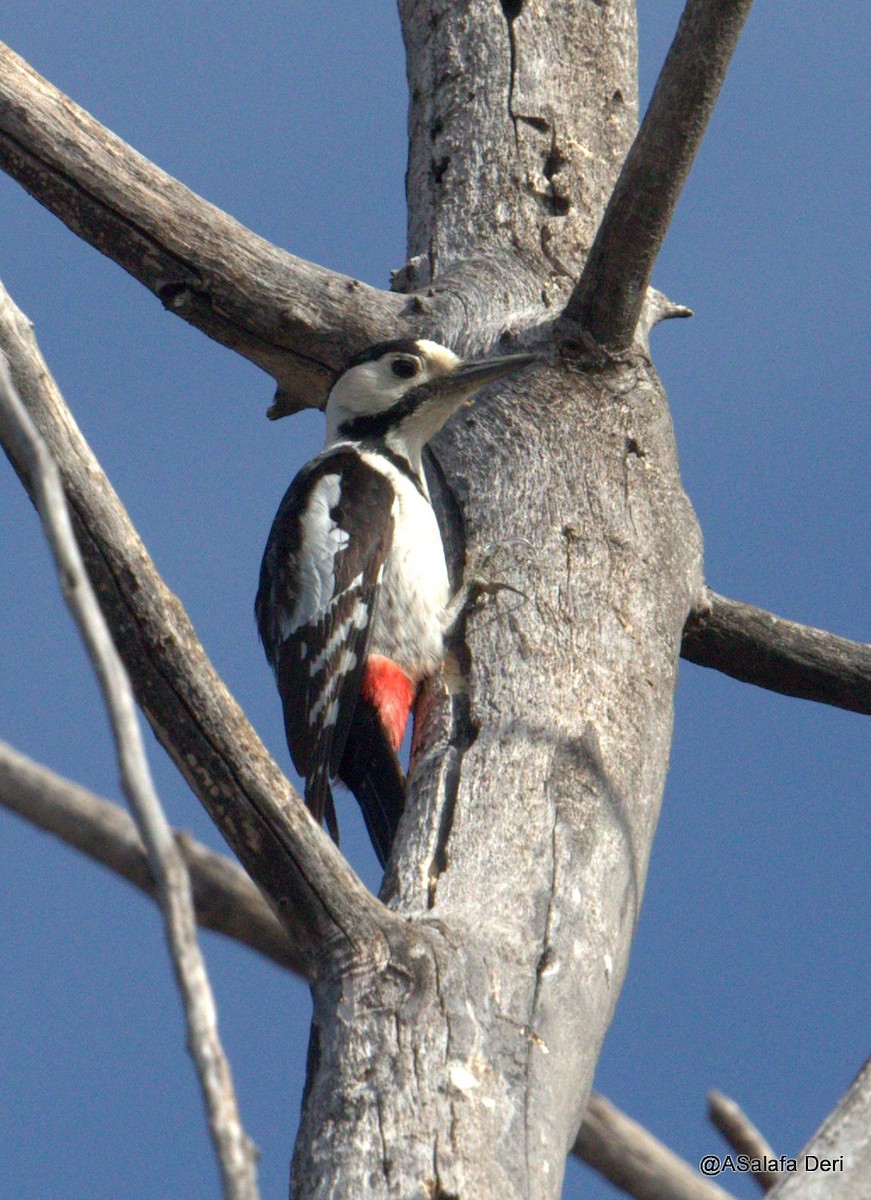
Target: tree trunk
x,y
455,1059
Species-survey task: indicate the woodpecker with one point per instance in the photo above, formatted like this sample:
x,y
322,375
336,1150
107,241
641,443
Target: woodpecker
x,y
354,600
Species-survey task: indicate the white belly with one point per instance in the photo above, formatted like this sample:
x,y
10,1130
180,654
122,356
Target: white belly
x,y
410,619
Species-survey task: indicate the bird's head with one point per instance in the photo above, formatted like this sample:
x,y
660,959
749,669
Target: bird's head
x,y
404,391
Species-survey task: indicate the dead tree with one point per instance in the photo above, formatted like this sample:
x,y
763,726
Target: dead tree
x,y
459,1016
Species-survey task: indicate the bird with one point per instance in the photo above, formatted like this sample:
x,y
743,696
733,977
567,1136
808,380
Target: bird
x,y
354,600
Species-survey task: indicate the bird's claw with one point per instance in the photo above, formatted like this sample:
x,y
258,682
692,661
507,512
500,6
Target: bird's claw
x,y
477,589
479,585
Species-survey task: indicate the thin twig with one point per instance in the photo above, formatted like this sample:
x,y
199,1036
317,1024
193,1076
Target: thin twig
x,y
236,1153
610,293
758,647
743,1136
225,899
634,1160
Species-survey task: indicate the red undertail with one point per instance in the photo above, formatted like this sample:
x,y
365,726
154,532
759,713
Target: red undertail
x,y
391,692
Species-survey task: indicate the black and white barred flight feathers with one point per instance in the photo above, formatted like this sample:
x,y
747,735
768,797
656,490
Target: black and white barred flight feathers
x,y
354,600
315,616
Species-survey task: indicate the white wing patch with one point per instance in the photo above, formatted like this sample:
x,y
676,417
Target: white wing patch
x,y
360,615
347,661
323,540
328,703
355,584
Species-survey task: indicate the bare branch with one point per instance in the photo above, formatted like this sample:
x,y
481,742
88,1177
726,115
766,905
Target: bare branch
x,y
294,319
742,1135
843,1141
608,299
319,898
755,646
225,899
634,1160
236,1154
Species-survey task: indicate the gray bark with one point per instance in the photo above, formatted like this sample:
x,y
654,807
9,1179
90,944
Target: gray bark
x,y
224,897
190,710
635,1160
609,297
741,1134
844,1142
236,1153
289,316
758,647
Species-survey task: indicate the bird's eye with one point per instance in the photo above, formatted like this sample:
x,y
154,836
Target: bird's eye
x,y
405,368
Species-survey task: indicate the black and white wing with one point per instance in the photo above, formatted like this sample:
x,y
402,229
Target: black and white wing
x,y
319,585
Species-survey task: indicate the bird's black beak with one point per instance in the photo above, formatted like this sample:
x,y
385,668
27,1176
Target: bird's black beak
x,y
428,407
469,376
438,399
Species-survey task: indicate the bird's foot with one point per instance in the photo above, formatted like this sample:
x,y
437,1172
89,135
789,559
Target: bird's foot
x,y
479,585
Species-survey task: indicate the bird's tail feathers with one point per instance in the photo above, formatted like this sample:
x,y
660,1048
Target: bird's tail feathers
x,y
371,770
319,800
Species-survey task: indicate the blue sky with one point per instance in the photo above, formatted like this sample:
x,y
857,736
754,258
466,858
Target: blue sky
x,y
750,967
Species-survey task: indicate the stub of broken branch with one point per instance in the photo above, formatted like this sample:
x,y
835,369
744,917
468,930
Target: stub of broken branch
x,y
636,1161
758,647
742,1135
